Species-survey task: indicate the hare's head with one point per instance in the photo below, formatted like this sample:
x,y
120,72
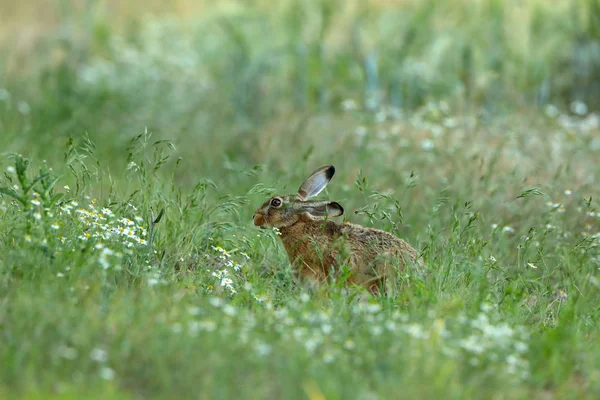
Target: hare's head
x,y
284,211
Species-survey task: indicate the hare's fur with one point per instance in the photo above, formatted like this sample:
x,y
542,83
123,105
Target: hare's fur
x,y
318,247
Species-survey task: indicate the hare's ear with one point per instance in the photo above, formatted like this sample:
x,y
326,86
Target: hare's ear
x,y
324,208
316,182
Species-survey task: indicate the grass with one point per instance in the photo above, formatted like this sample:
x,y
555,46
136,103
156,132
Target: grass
x,y
135,153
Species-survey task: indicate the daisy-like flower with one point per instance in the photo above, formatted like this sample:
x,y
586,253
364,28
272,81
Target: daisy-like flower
x,y
54,226
35,202
28,238
138,218
37,215
531,265
217,274
66,187
126,221
226,282
568,192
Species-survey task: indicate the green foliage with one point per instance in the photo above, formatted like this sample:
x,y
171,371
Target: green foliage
x,y
134,160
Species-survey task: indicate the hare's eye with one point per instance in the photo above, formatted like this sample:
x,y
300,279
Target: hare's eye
x,y
276,202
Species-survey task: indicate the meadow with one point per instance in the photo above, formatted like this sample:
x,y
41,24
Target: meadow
x,y
138,138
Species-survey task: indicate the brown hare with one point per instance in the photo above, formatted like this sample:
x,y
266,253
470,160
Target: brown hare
x,y
318,247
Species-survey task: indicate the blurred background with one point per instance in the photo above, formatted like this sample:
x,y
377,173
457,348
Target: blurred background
x,y
470,128
273,82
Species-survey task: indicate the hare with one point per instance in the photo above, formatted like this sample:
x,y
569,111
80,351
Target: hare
x,y
318,247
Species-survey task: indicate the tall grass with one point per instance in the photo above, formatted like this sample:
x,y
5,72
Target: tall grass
x,y
136,148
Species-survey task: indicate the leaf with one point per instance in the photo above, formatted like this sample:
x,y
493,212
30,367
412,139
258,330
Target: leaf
x,y
36,180
53,182
21,165
56,198
12,193
159,217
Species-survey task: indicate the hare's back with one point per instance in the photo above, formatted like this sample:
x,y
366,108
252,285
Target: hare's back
x,y
374,242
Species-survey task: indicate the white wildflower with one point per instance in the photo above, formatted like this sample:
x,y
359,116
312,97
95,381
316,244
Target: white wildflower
x,y
472,344
579,108
107,373
263,349
215,301
229,310
99,355
349,105
427,144
304,297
